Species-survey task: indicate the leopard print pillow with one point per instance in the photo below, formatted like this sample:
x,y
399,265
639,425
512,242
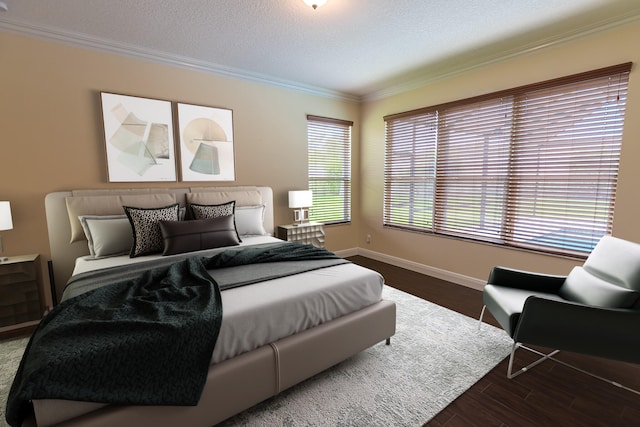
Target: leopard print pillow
x,y
147,236
212,211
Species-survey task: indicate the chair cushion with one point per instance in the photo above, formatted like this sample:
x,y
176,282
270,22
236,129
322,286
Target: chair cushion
x,y
506,304
616,261
583,287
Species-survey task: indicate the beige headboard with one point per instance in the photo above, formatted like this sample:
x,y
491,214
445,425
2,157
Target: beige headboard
x,y
61,228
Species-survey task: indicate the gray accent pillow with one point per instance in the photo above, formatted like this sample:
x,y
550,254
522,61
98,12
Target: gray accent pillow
x,y
250,220
145,222
107,235
198,234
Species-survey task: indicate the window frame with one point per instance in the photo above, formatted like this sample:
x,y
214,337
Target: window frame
x,y
440,174
319,130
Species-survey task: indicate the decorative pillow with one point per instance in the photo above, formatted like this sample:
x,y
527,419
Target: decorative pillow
x,y
212,211
198,234
585,288
107,235
147,236
109,204
250,220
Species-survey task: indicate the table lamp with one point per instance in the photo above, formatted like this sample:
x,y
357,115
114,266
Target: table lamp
x,y
300,201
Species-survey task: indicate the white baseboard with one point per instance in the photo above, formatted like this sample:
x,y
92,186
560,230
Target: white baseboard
x,y
348,252
449,276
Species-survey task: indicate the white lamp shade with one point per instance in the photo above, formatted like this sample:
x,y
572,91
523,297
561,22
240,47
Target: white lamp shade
x,y
6,223
300,199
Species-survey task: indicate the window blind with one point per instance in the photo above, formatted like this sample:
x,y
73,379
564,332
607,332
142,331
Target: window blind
x,y
410,171
472,169
329,148
533,167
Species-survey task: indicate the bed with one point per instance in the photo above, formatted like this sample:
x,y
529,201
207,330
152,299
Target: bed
x,y
300,331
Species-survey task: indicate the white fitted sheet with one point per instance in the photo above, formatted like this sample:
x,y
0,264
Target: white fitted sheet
x,y
261,313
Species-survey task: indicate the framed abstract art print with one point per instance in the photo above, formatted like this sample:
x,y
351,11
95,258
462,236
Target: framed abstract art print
x,y
206,143
139,140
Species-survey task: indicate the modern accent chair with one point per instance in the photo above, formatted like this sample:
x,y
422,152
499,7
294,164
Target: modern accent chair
x,y
595,310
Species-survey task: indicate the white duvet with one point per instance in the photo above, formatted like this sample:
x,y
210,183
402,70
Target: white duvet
x,y
258,314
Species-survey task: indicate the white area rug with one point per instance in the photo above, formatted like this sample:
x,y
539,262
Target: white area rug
x,y
10,355
434,357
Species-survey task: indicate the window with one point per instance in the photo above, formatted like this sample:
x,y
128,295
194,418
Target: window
x,y
534,167
329,143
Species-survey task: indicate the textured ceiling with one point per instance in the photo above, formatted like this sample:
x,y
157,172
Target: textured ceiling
x,y
358,48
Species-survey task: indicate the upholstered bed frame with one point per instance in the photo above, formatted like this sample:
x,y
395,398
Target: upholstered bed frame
x,y
64,252
235,384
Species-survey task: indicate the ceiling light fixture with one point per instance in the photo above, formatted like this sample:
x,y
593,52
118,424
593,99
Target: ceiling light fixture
x,y
315,3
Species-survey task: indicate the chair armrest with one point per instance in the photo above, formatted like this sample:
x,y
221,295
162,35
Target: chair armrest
x,y
604,332
511,278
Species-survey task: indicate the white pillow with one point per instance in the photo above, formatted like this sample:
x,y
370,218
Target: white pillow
x,y
250,220
107,235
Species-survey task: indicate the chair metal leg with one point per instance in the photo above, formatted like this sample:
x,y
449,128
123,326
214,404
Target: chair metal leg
x,y
544,357
549,356
484,307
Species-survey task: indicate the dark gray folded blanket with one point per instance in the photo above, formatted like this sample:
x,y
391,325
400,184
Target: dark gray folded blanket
x,y
112,337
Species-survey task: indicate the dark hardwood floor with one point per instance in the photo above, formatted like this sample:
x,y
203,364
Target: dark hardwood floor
x,y
548,395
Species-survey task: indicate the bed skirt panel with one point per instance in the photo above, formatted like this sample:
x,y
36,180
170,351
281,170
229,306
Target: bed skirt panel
x,y
239,383
304,355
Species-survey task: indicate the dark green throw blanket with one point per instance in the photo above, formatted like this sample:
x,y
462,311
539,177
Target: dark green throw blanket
x,y
143,340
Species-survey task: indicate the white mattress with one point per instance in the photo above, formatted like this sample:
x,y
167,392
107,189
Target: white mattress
x,y
258,314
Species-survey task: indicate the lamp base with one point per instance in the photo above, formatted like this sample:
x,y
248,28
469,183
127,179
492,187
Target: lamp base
x,y
300,216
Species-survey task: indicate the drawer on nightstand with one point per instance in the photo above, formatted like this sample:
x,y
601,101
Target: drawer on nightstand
x,y
19,312
20,291
310,233
15,273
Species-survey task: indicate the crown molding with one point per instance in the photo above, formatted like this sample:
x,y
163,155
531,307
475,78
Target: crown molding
x,y
150,55
414,83
406,84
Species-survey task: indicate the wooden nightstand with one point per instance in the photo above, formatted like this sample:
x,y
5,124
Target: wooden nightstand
x,y
21,299
311,233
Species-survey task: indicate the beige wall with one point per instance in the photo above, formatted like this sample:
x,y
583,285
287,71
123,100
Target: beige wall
x,y
51,134
475,260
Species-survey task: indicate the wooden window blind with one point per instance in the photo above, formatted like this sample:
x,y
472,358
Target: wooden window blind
x,y
534,167
410,171
329,145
